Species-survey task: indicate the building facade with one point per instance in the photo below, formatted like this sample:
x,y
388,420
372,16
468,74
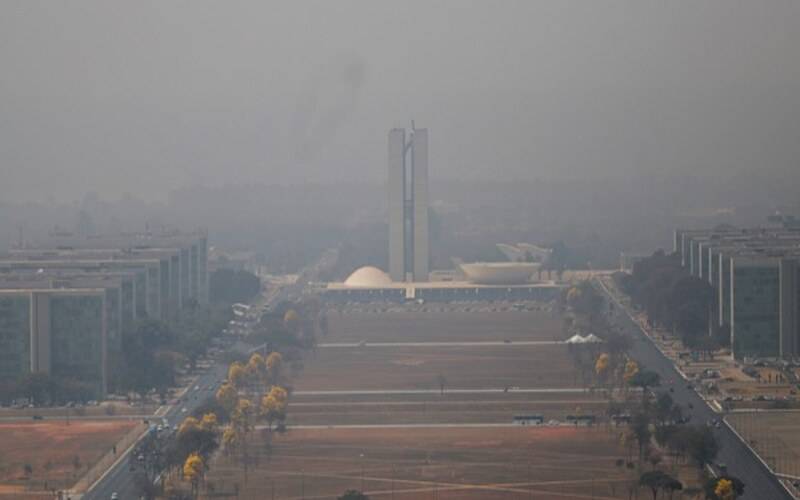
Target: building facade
x,y
407,180
754,275
66,302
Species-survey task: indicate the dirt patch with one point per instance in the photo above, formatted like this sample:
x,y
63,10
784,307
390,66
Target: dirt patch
x,y
51,448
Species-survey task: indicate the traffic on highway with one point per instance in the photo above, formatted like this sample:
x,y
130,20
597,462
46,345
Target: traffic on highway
x,y
734,455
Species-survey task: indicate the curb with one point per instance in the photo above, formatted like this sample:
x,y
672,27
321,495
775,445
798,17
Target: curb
x,y
758,457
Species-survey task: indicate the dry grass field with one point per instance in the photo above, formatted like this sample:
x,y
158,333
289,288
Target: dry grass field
x,y
416,457
774,435
24,443
434,408
105,410
452,463
394,368
419,367
436,326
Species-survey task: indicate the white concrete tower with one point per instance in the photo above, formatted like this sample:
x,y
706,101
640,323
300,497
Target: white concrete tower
x,y
409,254
419,159
396,204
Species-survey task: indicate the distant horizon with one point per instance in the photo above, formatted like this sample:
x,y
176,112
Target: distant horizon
x,y
117,196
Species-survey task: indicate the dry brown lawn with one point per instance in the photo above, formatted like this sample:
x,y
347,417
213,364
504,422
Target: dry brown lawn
x,y
434,408
435,326
486,367
426,463
50,449
423,462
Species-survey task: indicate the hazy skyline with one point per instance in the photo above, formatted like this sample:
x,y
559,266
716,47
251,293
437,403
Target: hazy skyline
x,y
145,97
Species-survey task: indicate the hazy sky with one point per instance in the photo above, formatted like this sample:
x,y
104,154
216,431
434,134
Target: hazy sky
x,y
147,96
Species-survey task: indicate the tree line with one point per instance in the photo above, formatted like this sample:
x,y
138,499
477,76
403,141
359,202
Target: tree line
x,y
655,424
255,391
674,300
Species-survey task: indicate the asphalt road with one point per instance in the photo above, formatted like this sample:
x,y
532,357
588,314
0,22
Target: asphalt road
x,y
120,479
474,343
407,426
498,390
760,484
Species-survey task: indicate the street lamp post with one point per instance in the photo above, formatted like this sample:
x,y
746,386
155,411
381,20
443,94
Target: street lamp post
x,y
530,490
362,472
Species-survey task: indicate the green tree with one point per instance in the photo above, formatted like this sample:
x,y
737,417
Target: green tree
x,y
645,379
640,427
229,286
671,485
143,369
701,445
654,480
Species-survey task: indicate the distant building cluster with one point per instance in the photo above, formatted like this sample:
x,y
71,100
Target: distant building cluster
x,y
755,274
65,301
487,281
410,277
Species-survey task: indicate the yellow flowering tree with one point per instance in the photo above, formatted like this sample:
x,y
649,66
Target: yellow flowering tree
x,y
631,369
724,489
193,470
273,405
188,425
209,422
274,365
256,369
242,416
237,374
227,397
231,439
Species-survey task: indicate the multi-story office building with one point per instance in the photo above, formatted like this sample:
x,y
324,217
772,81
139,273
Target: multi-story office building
x,y
754,274
181,259
409,257
66,301
66,329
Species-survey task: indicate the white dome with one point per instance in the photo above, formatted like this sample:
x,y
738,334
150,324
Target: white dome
x,y
368,276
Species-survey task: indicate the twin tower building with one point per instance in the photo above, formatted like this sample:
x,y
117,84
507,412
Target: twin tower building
x,y
409,255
